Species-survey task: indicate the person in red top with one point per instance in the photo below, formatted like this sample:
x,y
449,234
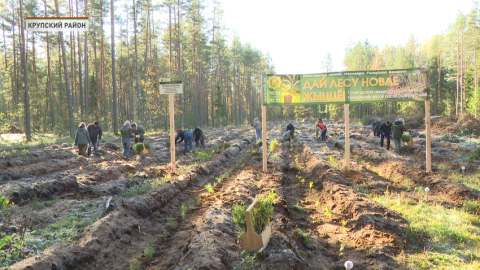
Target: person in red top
x,y
323,129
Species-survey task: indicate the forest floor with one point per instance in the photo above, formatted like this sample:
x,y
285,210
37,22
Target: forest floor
x,y
105,212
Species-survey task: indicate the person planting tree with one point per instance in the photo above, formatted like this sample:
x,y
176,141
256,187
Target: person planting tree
x,y
398,130
139,132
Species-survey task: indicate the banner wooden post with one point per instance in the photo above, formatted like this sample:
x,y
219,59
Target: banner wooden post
x,y
264,137
171,98
428,146
347,136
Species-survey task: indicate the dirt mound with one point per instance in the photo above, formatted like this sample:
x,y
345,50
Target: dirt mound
x,y
452,124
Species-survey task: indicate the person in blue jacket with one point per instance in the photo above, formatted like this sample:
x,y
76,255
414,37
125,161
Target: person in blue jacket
x,y
187,136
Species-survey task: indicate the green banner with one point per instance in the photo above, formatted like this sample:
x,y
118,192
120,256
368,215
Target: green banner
x,y
346,87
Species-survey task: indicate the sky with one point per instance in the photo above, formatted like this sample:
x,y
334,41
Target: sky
x,y
299,34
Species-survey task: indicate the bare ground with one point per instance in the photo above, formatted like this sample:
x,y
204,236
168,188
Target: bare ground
x,y
315,226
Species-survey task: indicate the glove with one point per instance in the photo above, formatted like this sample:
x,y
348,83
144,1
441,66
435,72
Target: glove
x,y
384,134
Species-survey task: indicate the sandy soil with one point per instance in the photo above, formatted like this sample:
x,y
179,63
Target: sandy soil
x,y
190,228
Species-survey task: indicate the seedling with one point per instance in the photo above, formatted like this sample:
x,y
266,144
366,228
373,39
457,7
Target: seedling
x,y
261,213
149,251
305,238
298,208
172,223
328,214
342,247
209,188
135,264
183,212
274,146
408,182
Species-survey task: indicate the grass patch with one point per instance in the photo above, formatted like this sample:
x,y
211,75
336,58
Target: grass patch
x,y
452,236
65,229
476,154
470,181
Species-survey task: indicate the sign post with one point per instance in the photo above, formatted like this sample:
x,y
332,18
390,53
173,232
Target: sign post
x,y
171,86
428,146
347,136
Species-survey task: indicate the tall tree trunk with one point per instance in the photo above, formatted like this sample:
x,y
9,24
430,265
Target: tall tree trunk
x,y
15,81
103,97
67,79
6,62
114,74
87,96
4,46
49,82
49,79
475,63
212,77
461,80
82,100
137,85
458,77
28,131
170,39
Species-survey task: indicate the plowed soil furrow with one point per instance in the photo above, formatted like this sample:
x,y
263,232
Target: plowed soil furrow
x,y
148,218
130,224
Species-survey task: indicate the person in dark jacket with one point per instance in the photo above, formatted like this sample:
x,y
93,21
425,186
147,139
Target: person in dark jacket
x,y
187,136
82,139
198,137
127,134
288,136
398,130
139,132
95,131
385,130
376,128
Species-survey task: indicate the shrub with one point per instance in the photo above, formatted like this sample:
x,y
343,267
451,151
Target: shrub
x,y
238,215
202,156
138,147
224,146
274,146
261,213
406,138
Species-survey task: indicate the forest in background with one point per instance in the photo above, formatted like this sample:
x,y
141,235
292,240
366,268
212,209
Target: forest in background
x,y
47,87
